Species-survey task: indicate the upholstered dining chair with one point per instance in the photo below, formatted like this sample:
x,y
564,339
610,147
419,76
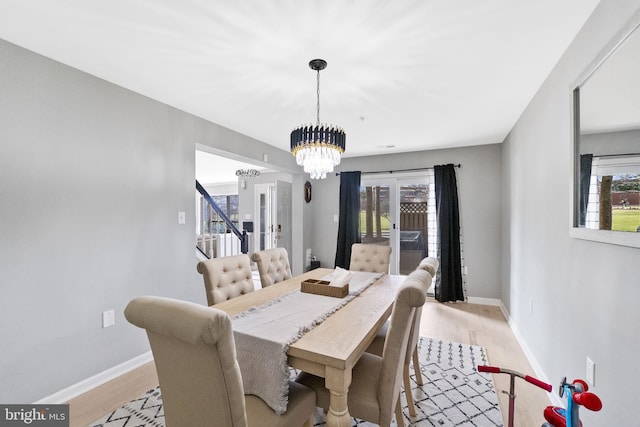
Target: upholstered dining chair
x,y
374,392
370,257
377,345
226,277
273,265
430,264
200,380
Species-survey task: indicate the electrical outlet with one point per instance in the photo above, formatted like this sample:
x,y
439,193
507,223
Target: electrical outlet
x,y
591,372
108,318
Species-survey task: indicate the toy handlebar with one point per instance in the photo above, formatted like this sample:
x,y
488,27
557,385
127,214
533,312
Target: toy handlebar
x,y
487,368
580,394
538,383
527,378
588,400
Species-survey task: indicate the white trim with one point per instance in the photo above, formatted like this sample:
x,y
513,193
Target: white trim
x,y
90,383
621,238
555,398
484,301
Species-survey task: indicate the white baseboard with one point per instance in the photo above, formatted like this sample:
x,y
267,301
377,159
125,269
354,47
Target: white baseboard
x,y
539,373
90,383
484,301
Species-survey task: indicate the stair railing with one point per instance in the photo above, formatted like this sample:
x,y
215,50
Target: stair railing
x,y
212,243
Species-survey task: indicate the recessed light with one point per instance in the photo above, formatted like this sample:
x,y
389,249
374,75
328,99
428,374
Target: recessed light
x,y
386,146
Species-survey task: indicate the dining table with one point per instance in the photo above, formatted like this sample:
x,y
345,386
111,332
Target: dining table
x,y
332,348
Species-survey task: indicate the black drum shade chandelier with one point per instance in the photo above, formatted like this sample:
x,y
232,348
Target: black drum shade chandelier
x,y
318,149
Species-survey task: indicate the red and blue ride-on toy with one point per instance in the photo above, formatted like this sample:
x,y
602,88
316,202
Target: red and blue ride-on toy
x,y
577,396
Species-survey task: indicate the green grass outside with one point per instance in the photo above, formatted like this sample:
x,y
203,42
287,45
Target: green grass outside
x,y
625,219
384,224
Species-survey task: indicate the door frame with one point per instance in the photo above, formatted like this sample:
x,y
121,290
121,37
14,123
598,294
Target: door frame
x,y
394,182
267,188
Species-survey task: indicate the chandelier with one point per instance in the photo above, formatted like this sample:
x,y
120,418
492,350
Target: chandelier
x,y
247,173
318,148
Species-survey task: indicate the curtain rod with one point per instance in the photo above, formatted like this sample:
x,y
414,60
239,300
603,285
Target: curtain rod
x,y
401,170
617,155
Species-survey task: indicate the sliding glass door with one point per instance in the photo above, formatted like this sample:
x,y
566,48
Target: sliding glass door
x,y
399,212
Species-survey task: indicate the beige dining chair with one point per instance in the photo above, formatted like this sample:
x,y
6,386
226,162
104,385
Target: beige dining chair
x,y
431,265
376,380
273,265
370,257
377,345
200,380
226,277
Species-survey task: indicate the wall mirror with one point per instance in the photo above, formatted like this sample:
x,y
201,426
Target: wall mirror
x,y
606,202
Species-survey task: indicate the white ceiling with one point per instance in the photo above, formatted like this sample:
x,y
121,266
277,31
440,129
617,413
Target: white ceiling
x,y
211,168
403,75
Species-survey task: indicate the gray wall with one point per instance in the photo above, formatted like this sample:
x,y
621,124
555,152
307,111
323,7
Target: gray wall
x,y
92,177
623,142
479,198
585,294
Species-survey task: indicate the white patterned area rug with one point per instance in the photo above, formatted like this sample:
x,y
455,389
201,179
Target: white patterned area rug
x,y
454,393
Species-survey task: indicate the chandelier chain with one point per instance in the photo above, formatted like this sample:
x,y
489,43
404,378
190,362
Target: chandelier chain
x,y
318,97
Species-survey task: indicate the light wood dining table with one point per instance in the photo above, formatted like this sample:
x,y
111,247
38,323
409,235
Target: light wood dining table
x,y
332,348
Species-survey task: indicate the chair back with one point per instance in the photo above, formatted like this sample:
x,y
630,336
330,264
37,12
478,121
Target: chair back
x,y
226,277
411,295
431,265
414,332
273,265
195,357
370,257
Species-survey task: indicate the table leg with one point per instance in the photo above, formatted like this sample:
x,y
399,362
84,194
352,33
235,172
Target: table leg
x,y
338,381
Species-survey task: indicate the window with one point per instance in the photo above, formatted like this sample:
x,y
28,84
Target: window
x,y
211,221
614,194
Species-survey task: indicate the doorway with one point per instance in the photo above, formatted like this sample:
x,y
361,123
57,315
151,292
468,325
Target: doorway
x,y
264,212
399,211
273,215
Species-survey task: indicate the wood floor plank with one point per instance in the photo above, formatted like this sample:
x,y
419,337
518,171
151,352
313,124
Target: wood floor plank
x,y
95,403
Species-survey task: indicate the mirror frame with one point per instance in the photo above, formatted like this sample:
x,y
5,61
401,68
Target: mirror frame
x,y
621,238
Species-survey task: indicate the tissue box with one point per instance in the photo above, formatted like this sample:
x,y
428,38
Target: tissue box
x,y
321,287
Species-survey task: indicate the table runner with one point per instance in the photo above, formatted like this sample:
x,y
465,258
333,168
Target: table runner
x,y
263,335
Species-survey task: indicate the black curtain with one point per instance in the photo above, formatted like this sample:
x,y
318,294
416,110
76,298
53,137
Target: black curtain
x,y
449,286
349,225
585,181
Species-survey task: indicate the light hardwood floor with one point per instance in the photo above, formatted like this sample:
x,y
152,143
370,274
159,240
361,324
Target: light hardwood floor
x,y
461,322
486,326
